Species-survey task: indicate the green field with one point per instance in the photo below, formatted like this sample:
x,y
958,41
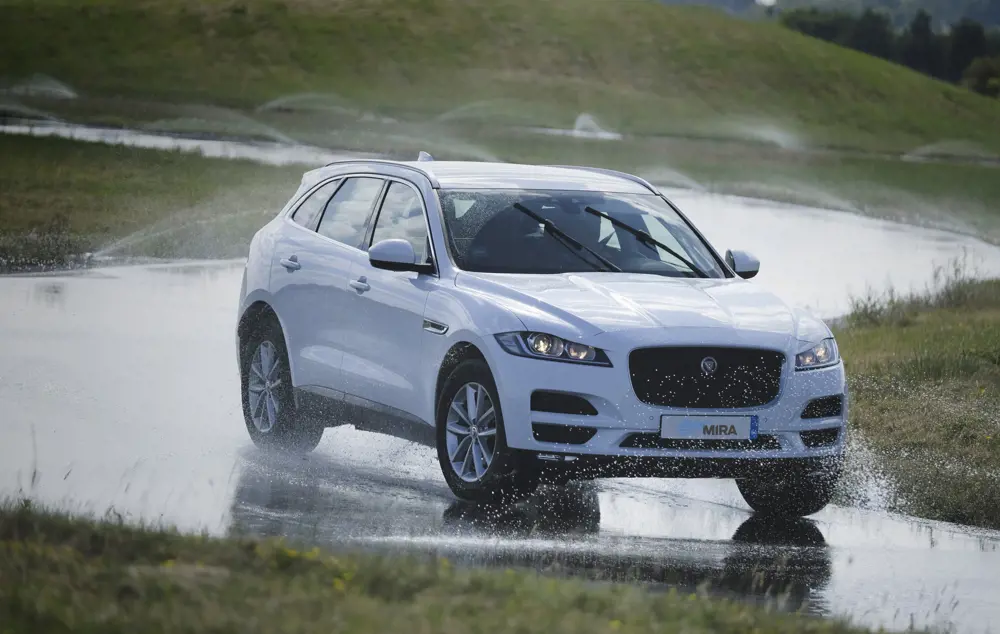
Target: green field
x,y
924,374
734,106
640,67
59,574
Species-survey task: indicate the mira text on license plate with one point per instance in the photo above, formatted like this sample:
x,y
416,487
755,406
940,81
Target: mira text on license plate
x,y
709,427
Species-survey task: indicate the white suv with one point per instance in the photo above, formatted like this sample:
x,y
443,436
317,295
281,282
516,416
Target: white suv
x,y
533,324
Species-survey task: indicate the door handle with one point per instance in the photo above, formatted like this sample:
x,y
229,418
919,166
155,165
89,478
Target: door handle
x,y
291,263
361,284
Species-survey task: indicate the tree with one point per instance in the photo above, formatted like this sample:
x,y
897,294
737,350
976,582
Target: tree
x,y
872,33
920,48
983,76
966,42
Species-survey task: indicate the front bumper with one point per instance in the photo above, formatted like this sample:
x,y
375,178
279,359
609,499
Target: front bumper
x,y
620,415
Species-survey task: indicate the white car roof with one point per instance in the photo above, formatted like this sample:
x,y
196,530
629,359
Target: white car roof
x,y
482,175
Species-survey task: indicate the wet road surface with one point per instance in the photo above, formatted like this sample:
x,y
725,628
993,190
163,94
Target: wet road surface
x,y
119,391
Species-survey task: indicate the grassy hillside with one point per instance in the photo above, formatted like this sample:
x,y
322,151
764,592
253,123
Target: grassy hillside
x,y
639,66
59,574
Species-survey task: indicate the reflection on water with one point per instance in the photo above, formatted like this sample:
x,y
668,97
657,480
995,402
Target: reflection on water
x,y
51,294
557,531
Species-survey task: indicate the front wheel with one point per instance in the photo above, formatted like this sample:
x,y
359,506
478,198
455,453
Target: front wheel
x,y
471,442
796,496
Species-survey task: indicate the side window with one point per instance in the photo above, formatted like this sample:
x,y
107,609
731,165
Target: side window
x,y
308,211
402,216
346,214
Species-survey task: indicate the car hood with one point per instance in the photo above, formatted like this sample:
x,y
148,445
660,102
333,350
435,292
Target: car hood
x,y
591,303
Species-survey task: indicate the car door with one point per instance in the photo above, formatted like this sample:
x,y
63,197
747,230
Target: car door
x,y
383,357
310,272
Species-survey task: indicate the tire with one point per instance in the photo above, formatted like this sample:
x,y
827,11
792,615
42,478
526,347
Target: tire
x,y
285,431
797,496
508,476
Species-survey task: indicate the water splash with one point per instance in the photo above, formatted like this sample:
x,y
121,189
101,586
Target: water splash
x,y
953,148
585,126
669,177
175,223
764,132
12,110
266,154
789,191
39,85
488,109
321,102
864,483
213,119
219,225
311,101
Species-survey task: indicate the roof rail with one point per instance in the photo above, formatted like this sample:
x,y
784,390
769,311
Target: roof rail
x,y
625,175
425,173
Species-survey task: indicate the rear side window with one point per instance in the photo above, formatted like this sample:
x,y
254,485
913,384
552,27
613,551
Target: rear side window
x,y
402,217
309,210
347,212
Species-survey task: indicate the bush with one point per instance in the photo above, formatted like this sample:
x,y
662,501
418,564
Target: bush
x,y
983,76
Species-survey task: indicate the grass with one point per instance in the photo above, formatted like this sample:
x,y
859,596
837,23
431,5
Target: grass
x,y
641,67
62,574
59,198
924,375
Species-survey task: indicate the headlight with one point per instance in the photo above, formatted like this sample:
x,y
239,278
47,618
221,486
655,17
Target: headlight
x,y
544,346
822,355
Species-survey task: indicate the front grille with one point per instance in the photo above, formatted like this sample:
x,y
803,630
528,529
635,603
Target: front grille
x,y
559,403
674,376
563,434
820,437
653,441
826,407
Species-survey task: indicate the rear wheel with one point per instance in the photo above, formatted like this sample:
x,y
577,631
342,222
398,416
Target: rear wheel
x,y
796,496
268,405
471,442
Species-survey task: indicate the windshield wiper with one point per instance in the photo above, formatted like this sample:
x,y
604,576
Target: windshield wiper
x,y
565,239
646,239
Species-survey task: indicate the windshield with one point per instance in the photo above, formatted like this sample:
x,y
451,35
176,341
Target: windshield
x,y
487,233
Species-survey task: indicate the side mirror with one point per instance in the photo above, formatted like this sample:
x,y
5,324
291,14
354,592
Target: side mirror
x,y
395,255
744,264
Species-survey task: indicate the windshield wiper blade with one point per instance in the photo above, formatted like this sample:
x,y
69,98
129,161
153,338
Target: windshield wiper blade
x,y
565,239
646,239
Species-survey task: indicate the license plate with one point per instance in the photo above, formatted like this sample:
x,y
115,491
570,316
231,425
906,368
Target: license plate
x,y
709,427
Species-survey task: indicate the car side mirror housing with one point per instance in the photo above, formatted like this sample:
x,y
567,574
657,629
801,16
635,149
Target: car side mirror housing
x,y
394,255
743,263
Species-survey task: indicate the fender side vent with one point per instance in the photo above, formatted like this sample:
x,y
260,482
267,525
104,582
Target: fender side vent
x,y
559,403
562,434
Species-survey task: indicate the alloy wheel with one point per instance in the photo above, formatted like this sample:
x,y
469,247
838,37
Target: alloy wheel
x,y
471,432
262,388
